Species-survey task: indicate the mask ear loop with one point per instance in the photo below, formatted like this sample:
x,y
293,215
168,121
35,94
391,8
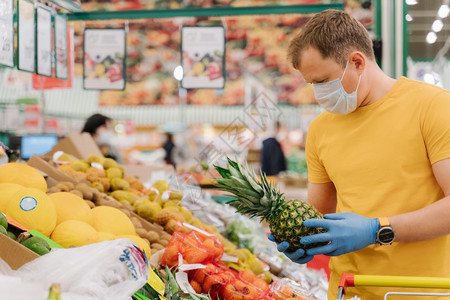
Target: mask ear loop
x,y
345,70
359,80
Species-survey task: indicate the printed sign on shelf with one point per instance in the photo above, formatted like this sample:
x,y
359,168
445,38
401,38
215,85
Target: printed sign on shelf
x,y
26,36
61,47
7,33
203,57
104,59
44,40
45,83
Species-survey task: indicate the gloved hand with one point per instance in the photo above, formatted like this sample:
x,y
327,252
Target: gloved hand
x,y
347,232
298,256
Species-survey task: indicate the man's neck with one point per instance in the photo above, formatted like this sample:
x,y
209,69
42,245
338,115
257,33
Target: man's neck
x,y
380,84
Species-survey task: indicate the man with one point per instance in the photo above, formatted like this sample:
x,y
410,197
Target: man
x,y
380,150
273,160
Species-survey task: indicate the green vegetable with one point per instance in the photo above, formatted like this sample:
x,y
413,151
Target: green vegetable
x,y
11,235
35,240
55,292
39,249
3,230
3,221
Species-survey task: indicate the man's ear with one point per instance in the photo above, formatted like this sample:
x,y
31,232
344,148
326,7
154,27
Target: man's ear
x,y
358,60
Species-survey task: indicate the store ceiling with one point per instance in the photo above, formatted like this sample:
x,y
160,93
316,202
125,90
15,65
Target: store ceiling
x,y
424,13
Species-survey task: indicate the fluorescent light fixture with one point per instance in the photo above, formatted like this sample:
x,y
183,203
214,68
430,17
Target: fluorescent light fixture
x,y
411,2
431,37
443,11
437,25
178,73
408,18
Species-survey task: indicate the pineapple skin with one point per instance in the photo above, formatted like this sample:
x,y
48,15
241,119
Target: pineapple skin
x,y
287,224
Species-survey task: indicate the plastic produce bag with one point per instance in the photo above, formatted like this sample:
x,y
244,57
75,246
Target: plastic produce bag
x,y
210,279
196,247
242,290
107,270
247,233
14,287
289,289
246,285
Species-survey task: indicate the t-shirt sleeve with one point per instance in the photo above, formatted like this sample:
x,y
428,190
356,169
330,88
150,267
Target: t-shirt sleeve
x,y
436,127
316,170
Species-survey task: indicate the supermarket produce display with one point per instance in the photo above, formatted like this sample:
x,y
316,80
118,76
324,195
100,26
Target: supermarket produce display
x,y
77,225
188,251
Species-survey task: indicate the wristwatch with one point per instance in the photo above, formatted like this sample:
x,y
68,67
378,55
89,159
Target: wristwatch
x,y
385,234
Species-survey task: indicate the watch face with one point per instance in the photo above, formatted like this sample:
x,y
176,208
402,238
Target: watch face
x,y
386,235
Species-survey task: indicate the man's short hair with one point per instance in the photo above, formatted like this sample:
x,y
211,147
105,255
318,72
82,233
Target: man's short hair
x,y
334,34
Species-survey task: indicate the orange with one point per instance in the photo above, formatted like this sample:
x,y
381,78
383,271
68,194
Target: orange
x,y
196,286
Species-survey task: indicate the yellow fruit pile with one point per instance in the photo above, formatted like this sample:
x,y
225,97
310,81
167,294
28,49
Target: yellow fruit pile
x,y
63,214
104,174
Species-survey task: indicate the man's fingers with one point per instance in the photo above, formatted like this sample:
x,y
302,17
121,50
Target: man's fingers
x,y
305,259
316,238
317,223
295,255
322,250
283,246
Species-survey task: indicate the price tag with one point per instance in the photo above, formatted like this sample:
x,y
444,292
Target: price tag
x,y
156,283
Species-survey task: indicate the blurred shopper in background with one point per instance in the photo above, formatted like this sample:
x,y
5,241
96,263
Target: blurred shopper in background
x,y
100,127
168,147
273,160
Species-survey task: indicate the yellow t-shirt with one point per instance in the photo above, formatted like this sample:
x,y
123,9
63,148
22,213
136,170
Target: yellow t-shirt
x,y
379,158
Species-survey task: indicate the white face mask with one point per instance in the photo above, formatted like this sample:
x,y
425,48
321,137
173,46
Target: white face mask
x,y
104,138
333,97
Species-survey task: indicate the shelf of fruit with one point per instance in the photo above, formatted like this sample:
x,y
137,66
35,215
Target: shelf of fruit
x,y
102,204
255,44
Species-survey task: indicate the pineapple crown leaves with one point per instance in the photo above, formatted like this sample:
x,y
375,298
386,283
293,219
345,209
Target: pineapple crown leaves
x,y
254,198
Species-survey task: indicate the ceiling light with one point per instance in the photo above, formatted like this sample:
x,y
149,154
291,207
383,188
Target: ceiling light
x,y
408,18
431,37
411,2
443,11
437,25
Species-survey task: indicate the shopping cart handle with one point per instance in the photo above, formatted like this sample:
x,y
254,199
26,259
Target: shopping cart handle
x,y
351,280
347,279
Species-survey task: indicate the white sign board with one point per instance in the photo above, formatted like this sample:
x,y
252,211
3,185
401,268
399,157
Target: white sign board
x,y
104,59
7,33
26,36
203,57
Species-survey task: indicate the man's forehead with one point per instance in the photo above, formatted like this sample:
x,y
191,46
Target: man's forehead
x,y
313,67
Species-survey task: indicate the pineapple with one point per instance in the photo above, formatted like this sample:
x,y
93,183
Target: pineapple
x,y
262,199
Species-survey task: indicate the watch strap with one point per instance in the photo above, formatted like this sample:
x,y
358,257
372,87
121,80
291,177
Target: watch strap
x,y
384,221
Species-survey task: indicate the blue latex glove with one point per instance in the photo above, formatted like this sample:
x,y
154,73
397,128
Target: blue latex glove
x,y
347,232
298,256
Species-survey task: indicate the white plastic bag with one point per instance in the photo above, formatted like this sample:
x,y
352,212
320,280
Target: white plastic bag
x,y
107,270
5,269
12,287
